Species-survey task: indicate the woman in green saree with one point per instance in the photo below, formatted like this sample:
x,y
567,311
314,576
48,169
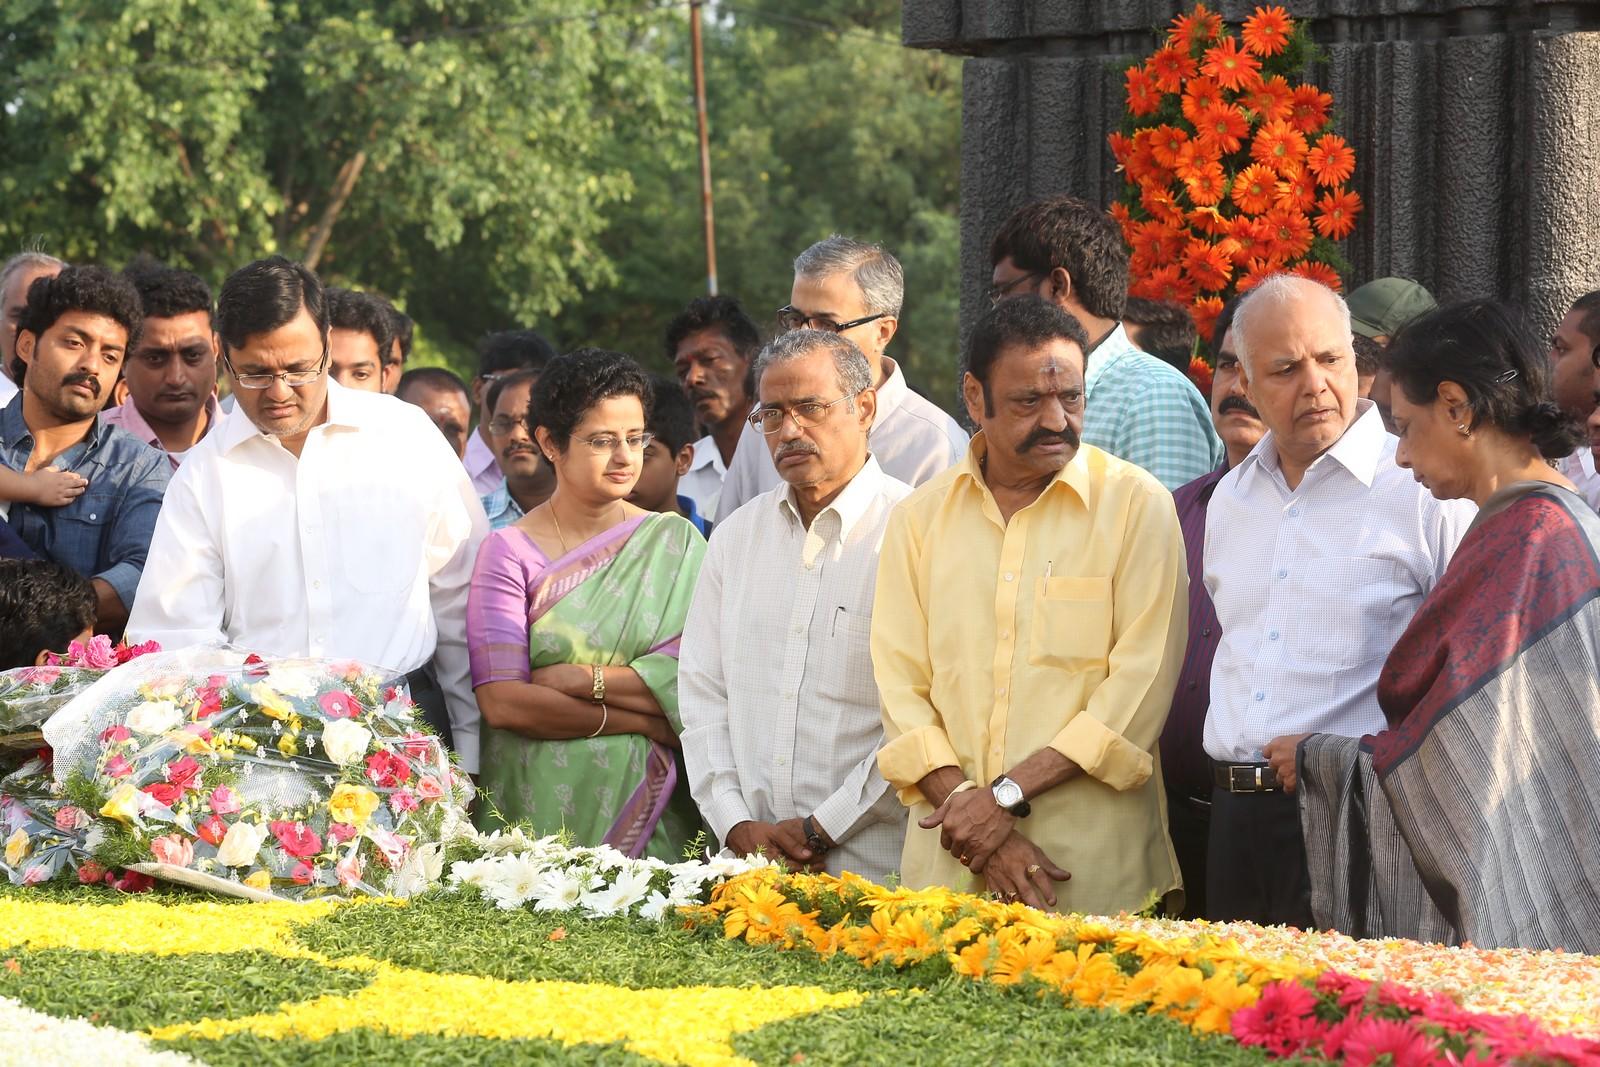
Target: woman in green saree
x,y
573,623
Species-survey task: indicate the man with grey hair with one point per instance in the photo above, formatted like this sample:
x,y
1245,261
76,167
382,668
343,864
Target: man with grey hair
x,y
855,289
1343,546
19,272
781,728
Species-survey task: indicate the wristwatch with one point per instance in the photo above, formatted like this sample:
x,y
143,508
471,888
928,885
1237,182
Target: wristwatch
x,y
1008,795
814,839
599,689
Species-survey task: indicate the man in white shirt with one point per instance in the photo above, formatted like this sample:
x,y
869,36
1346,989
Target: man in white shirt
x,y
317,520
855,289
1318,551
711,343
781,726
19,272
1572,365
498,355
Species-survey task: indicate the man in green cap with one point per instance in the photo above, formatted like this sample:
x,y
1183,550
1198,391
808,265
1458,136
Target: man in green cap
x,y
1377,311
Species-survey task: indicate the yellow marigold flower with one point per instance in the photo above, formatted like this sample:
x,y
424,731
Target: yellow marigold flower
x,y
1020,957
270,701
975,960
962,930
1221,996
1097,979
122,805
1178,993
762,916
912,936
352,804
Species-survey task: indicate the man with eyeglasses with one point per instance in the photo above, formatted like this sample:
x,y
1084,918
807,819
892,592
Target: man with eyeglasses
x,y
498,355
781,726
855,290
317,520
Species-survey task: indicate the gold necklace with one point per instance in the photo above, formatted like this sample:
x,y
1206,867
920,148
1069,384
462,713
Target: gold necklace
x,y
558,529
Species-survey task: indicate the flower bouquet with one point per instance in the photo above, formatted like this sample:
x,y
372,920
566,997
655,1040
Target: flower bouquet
x,y
291,778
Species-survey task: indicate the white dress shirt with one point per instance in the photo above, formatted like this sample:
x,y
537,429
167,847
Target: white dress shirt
x,y
8,389
780,710
1313,586
1580,471
483,466
703,483
912,438
362,548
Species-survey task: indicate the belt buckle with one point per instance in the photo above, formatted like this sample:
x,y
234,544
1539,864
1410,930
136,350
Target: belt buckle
x,y
1244,779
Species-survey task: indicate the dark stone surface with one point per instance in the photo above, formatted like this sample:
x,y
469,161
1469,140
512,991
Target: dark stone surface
x,y
1476,125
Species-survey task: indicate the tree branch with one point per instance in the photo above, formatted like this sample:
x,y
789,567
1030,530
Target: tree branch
x,y
342,186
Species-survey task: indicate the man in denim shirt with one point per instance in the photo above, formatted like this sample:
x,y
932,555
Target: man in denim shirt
x,y
72,339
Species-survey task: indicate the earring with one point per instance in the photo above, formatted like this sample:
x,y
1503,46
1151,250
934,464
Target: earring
x,y
1461,426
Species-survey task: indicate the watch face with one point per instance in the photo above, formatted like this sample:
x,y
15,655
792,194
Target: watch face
x,y
1008,794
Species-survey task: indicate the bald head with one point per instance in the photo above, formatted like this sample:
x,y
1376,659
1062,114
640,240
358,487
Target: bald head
x,y
1283,296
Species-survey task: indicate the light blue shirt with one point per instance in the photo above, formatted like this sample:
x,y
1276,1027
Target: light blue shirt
x,y
1147,412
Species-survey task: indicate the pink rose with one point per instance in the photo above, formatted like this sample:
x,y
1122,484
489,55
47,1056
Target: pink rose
x,y
70,818
392,848
127,652
114,735
208,702
349,870
131,882
339,705
419,746
90,872
117,767
224,801
99,654
296,838
430,788
174,849
35,874
184,773
402,802
212,830
340,832
303,873
38,675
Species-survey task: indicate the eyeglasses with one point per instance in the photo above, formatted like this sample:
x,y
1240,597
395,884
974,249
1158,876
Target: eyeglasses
x,y
606,443
792,318
294,379
501,425
998,293
770,420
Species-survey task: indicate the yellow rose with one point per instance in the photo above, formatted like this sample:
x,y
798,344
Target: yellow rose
x,y
287,746
352,804
271,703
18,845
259,880
123,805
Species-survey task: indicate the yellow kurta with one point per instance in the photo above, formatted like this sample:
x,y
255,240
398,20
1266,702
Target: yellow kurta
x,y
1064,628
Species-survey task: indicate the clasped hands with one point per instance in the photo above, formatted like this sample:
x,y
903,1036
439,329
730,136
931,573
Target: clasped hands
x,y
984,837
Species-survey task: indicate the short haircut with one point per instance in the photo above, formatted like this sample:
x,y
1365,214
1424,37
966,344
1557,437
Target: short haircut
x,y
1589,319
719,313
1482,347
43,606
25,260
572,384
849,362
1369,355
265,295
1166,329
433,378
506,381
513,350
876,273
1224,323
167,292
89,288
1274,291
402,328
1025,321
671,415
1065,232
349,309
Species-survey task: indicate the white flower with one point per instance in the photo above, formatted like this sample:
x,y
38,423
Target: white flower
x,y
292,682
558,890
611,859
155,717
655,907
420,870
241,845
513,882
629,888
345,741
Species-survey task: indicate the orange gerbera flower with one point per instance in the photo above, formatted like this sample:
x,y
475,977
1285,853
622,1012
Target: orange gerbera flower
x,y
1252,236
1253,188
1272,100
1168,283
1209,266
1331,160
1231,68
1119,211
1223,127
1209,220
1204,311
1207,185
1336,214
1296,192
1199,96
1143,96
1166,142
1141,161
1156,242
1200,372
1291,233
1279,146
1160,206
1256,272
1310,108
1266,33
1121,147
1168,67
1320,273
1199,26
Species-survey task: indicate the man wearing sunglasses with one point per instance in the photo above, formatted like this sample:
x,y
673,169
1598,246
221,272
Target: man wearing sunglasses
x,y
317,520
855,289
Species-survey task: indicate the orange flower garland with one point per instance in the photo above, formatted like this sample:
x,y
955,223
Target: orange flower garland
x,y
1233,171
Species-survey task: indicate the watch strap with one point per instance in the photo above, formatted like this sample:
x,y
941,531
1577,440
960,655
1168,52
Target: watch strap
x,y
814,839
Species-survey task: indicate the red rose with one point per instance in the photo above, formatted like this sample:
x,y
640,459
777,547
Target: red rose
x,y
296,838
339,705
90,872
165,793
184,773
112,735
132,882
212,830
388,770
209,702
303,873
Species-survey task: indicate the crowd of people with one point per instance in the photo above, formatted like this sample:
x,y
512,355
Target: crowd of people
x,y
1318,649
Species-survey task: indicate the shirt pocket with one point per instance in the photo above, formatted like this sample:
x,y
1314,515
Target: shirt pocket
x,y
847,667
1071,624
81,530
1343,611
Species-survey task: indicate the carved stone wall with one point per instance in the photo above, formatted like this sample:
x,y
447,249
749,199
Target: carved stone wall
x,y
1476,126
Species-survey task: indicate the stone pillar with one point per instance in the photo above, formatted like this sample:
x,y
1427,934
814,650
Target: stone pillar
x,y
1476,126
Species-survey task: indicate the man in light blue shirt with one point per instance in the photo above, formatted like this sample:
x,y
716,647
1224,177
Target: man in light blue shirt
x,y
1136,406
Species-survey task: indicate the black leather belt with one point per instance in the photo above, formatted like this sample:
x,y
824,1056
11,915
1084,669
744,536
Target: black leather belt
x,y
1245,777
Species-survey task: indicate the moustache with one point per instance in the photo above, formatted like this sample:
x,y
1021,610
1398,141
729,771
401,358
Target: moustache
x,y
698,395
1237,403
795,448
1068,437
82,379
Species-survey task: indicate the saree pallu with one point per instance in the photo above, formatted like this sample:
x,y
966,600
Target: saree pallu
x,y
619,599
1476,815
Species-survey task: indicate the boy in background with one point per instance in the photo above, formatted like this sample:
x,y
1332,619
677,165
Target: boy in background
x,y
44,607
668,457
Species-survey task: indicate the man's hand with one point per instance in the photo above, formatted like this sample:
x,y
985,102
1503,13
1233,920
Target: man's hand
x,y
972,826
1280,752
50,487
1019,870
782,841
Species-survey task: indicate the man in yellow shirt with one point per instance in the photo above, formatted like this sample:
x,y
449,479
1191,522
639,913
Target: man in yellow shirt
x,y
1039,617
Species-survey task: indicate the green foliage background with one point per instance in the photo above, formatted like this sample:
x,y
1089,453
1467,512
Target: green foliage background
x,y
521,162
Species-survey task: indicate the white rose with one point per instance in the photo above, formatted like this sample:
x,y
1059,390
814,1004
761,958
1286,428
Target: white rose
x,y
345,741
155,717
241,845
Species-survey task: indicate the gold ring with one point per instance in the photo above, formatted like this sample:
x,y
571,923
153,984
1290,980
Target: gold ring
x,y
964,859
1034,869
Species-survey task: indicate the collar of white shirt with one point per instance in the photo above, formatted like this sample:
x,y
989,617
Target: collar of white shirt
x,y
344,410
851,503
707,454
892,393
1358,450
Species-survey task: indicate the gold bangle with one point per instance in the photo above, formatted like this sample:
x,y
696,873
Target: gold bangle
x,y
605,715
599,691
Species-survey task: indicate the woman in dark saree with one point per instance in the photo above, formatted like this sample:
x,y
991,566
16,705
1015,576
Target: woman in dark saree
x,y
1476,815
